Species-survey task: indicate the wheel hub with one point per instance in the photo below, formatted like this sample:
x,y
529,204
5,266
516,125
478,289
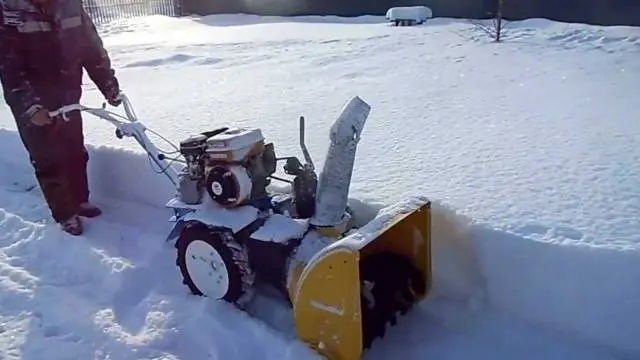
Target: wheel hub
x,y
207,269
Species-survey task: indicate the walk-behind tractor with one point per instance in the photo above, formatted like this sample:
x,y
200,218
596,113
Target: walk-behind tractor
x,y
344,282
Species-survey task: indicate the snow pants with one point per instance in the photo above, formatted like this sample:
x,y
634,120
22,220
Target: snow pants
x,y
59,159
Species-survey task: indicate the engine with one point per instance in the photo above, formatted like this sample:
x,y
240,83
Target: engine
x,y
232,165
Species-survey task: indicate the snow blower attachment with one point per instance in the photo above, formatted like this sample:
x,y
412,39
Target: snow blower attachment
x,y
344,282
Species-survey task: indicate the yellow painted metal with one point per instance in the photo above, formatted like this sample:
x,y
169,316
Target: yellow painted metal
x,y
327,305
409,236
330,231
326,292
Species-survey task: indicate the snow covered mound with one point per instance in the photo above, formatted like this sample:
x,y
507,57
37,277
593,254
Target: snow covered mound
x,y
409,14
529,150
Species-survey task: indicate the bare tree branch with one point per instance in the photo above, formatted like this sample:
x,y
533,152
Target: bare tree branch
x,y
496,29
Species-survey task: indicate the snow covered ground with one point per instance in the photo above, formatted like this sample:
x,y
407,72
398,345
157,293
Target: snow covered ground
x,y
531,145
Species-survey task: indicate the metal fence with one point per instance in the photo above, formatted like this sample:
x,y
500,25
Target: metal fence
x,y
103,11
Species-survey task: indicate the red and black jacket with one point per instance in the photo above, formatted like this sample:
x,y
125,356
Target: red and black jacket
x,y
43,50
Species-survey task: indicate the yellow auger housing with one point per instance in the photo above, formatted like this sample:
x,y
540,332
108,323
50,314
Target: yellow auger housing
x,y
350,288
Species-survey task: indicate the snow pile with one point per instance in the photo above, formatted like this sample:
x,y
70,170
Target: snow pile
x,y
526,149
416,13
279,228
578,289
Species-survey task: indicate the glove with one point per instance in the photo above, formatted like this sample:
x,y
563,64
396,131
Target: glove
x,y
39,116
115,100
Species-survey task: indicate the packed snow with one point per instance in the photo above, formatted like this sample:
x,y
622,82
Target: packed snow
x,y
528,150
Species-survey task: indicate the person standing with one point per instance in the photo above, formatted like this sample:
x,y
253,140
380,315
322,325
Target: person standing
x,y
44,47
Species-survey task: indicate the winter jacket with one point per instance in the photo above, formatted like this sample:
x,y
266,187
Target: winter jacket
x,y
43,50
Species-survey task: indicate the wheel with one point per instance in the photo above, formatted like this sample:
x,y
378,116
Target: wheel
x,y
213,264
389,286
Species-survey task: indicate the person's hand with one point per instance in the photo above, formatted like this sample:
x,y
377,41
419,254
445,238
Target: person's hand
x,y
41,118
115,100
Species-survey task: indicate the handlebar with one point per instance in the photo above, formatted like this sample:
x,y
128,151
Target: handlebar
x,y
128,126
100,112
65,109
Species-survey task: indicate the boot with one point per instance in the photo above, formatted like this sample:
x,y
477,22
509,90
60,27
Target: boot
x,y
73,226
89,210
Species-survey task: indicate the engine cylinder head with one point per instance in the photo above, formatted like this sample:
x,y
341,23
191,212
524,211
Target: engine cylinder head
x,y
192,149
